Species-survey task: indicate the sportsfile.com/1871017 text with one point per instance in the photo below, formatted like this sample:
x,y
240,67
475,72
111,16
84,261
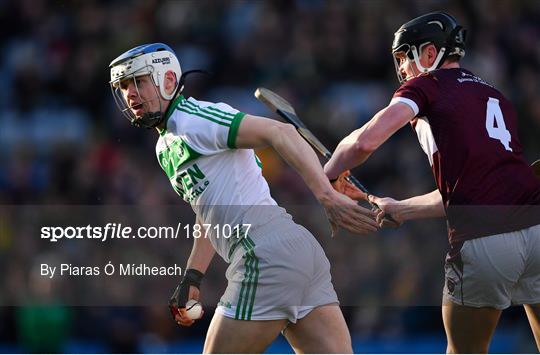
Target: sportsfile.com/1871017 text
x,y
120,231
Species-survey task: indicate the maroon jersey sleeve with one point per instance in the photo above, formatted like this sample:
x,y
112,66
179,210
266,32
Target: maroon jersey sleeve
x,y
422,91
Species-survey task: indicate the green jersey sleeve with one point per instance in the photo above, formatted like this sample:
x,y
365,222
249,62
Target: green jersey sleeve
x,y
209,128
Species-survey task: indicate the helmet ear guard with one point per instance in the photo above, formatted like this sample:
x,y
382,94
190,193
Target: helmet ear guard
x,y
170,63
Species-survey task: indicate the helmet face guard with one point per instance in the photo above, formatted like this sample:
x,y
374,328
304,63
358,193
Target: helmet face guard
x,y
415,53
438,28
148,119
150,59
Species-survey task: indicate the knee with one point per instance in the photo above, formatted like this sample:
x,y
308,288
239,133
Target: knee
x,y
345,349
341,346
467,348
321,344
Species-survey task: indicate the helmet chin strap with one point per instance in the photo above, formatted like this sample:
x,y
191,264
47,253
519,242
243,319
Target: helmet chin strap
x,y
151,120
148,120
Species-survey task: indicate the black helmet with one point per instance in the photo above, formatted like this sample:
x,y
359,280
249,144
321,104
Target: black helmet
x,y
438,28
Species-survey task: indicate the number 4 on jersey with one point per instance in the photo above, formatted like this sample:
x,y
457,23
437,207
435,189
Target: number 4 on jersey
x,y
495,123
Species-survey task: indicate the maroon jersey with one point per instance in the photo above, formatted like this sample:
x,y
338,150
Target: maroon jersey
x,y
468,129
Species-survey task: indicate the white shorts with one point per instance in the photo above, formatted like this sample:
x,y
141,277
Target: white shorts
x,y
496,271
279,271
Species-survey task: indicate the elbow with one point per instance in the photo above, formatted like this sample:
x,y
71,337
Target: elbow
x,y
287,129
364,147
280,131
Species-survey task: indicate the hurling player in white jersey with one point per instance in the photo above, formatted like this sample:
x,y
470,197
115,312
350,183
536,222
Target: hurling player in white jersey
x,y
278,278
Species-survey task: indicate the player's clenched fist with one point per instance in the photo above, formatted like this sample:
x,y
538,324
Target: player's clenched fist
x,y
188,289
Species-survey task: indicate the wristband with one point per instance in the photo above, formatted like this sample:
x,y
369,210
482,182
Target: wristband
x,y
193,278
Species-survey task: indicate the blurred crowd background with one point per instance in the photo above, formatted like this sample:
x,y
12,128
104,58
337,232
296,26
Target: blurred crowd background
x,y
65,143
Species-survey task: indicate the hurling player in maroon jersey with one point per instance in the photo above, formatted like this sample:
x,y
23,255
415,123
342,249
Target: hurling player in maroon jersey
x,y
485,188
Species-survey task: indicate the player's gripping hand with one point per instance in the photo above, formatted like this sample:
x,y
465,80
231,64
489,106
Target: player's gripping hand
x,y
342,185
346,213
188,289
386,206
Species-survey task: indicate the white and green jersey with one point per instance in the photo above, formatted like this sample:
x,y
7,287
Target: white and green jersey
x,y
223,184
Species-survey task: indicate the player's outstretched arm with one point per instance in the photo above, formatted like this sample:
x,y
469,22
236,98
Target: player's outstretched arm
x,y
356,148
429,205
258,132
201,255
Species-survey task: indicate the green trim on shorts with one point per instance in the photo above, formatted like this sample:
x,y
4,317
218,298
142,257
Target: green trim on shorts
x,y
241,235
250,310
246,299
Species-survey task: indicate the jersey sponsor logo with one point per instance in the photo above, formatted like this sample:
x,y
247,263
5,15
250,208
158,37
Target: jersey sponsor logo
x,y
189,183
466,77
175,155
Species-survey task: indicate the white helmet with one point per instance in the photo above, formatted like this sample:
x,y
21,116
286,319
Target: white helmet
x,y
153,59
